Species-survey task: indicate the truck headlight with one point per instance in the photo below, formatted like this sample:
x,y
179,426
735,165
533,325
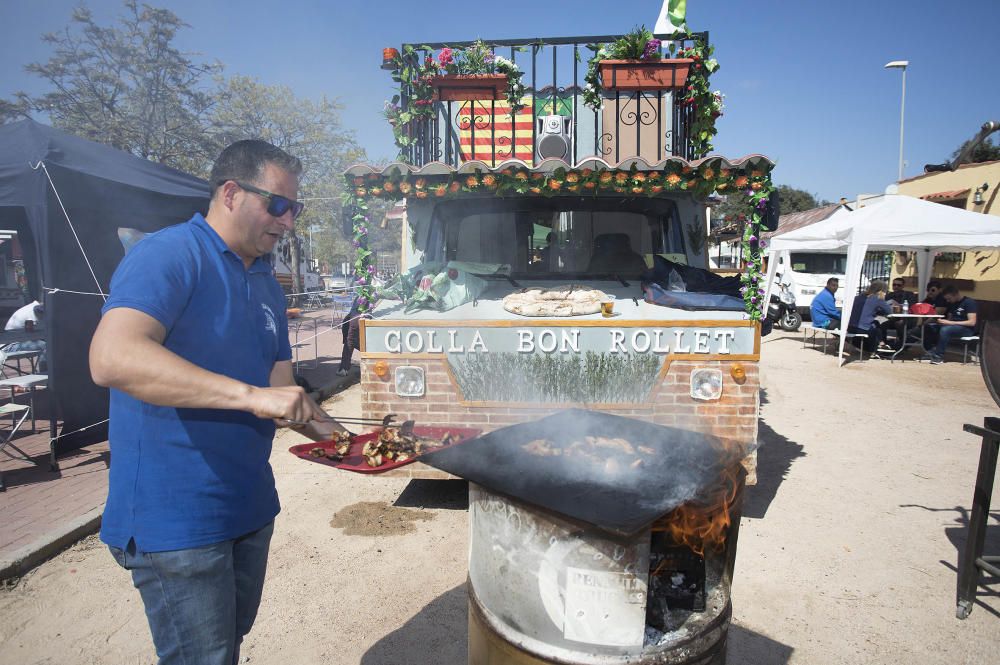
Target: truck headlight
x,y
409,381
706,384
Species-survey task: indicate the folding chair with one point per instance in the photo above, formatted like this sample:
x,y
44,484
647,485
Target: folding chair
x,y
12,410
11,360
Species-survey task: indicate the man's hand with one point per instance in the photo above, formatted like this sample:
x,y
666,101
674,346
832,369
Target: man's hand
x,y
318,425
284,403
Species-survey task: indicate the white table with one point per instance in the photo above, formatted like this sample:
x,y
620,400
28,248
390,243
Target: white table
x,y
18,356
29,381
919,320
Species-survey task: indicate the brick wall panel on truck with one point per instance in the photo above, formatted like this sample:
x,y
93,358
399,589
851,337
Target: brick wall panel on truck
x,y
732,418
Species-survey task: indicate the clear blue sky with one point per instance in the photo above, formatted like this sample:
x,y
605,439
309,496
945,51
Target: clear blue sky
x,y
803,79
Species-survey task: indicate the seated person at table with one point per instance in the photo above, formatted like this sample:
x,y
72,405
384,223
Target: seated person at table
x,y
35,313
866,307
959,321
896,298
935,298
898,295
31,312
823,310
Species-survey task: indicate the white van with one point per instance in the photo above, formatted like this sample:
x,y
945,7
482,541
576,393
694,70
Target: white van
x,y
806,273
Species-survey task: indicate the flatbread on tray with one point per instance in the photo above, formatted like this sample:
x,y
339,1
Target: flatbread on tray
x,y
564,300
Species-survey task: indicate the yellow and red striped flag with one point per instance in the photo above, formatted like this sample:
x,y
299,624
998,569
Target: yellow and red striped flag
x,y
491,124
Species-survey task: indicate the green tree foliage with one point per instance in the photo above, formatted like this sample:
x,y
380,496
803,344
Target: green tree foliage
x,y
797,200
10,111
127,85
987,151
730,210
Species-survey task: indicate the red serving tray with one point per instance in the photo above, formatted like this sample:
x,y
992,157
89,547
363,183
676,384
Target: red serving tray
x,y
355,461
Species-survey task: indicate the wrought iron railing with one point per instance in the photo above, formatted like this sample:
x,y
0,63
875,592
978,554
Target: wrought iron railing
x,y
468,130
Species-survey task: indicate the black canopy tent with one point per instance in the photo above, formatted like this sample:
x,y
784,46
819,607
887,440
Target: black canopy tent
x,y
67,198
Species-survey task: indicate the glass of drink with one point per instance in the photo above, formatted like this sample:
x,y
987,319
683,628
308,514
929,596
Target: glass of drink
x,y
29,325
608,307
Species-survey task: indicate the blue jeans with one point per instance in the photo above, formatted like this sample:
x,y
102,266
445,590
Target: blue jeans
x,y
200,602
946,334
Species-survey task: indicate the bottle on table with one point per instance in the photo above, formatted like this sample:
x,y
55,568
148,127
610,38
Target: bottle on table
x,y
906,307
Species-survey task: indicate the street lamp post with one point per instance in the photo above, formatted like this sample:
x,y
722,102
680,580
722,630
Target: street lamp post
x,y
900,64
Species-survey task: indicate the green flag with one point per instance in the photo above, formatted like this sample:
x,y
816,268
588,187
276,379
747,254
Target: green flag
x,y
672,18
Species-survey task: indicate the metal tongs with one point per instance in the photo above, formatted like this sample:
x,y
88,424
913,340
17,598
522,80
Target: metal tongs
x,y
405,428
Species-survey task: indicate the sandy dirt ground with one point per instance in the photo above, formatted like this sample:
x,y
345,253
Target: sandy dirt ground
x,y
847,548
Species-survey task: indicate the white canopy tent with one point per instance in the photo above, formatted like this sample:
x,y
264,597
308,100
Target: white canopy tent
x,y
890,223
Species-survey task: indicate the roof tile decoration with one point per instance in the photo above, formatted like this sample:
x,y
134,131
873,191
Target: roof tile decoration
x,y
947,196
797,220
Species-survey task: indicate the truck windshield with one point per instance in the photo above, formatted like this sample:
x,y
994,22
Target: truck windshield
x,y
559,236
819,264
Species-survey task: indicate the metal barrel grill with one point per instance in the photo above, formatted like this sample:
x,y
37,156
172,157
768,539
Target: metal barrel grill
x,y
973,562
574,556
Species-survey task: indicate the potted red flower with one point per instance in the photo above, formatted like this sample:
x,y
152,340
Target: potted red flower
x,y
476,73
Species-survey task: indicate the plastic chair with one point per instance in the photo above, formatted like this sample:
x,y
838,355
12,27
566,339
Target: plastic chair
x,y
12,410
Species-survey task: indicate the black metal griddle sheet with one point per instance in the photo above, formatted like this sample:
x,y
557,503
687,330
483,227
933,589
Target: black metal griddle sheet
x,y
623,501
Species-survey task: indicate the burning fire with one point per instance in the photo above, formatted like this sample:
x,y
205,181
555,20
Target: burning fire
x,y
703,525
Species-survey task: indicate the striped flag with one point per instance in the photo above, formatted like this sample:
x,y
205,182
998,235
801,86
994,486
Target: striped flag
x,y
485,124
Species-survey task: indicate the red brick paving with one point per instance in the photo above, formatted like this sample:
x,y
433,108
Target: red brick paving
x,y
40,505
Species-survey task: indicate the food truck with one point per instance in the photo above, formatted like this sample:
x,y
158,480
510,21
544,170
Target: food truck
x,y
557,281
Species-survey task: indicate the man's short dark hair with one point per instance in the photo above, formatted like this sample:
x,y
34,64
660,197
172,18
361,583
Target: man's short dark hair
x,y
950,290
833,281
244,161
934,284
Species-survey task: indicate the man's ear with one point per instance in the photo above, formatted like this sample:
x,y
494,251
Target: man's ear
x,y
227,194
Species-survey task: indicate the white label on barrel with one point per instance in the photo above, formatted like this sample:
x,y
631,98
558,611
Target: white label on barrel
x,y
604,608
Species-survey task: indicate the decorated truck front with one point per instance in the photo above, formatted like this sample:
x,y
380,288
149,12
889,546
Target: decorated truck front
x,y
555,297
531,173
461,346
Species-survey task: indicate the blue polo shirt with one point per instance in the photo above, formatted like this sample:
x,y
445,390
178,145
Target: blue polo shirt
x,y
184,478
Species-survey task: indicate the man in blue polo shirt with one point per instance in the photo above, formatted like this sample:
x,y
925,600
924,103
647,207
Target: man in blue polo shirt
x,y
193,343
823,310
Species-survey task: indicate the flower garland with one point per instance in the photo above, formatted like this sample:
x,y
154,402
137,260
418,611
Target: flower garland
x,y
364,265
418,74
752,278
752,184
706,105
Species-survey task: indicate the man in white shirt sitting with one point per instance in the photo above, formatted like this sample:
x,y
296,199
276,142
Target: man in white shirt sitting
x,y
31,312
34,312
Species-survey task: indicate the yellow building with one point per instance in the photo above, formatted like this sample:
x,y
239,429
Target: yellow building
x,y
972,187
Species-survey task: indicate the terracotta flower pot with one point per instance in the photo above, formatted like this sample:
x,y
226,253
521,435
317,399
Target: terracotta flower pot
x,y
465,87
644,74
389,56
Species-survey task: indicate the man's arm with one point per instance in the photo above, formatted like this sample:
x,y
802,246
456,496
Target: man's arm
x,y
127,353
968,323
319,428
829,308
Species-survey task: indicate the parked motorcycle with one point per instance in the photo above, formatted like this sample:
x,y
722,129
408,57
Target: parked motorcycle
x,y
781,309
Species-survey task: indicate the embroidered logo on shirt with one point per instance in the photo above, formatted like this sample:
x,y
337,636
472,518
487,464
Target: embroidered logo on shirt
x,y
271,323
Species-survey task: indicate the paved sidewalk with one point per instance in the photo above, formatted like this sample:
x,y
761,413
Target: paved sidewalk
x,y
43,512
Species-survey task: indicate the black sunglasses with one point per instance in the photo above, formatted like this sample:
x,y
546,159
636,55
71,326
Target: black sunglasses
x,y
277,205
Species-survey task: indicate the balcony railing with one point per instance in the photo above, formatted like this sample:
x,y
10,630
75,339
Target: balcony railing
x,y
649,124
